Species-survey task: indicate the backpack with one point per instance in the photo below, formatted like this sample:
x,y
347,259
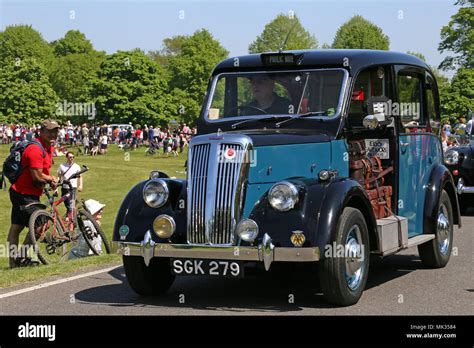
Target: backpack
x,y
12,165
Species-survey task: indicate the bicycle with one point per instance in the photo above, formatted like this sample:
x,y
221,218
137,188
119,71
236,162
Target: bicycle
x,y
53,236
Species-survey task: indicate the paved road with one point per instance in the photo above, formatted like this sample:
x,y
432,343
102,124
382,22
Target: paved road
x,y
397,285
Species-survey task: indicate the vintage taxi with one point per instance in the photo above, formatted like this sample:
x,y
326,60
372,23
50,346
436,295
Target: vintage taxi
x,y
330,157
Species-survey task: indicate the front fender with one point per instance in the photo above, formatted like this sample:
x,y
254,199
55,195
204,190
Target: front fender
x,y
138,217
317,213
440,179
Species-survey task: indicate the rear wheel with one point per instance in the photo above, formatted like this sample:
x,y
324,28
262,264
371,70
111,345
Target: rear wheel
x,y
154,279
343,274
436,253
46,238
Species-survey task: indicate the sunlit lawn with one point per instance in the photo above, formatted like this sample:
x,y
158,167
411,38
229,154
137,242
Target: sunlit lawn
x,y
108,181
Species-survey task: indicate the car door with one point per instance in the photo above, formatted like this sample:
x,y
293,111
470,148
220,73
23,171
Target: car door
x,y
419,146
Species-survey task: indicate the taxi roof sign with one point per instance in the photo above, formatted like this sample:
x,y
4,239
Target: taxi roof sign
x,y
281,58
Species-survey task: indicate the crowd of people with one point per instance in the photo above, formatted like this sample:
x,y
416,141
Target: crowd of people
x,y
452,136
94,139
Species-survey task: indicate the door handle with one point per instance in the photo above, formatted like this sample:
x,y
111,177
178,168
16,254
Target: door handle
x,y
404,146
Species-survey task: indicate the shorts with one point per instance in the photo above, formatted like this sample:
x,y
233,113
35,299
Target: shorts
x,y
22,207
103,146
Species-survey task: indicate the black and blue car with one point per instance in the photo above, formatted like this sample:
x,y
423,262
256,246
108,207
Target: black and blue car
x,y
328,157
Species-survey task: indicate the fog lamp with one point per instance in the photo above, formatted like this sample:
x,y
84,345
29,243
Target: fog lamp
x,y
164,226
247,230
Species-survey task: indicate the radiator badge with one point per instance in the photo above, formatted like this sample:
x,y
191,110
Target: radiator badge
x,y
123,231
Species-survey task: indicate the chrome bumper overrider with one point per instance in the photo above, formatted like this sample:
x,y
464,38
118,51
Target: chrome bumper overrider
x,y
265,252
464,189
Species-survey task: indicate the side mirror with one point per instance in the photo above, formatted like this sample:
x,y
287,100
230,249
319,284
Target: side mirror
x,y
371,122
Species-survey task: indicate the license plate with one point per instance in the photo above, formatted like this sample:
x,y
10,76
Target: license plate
x,y
216,268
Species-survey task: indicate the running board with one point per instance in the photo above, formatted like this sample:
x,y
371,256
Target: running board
x,y
392,233
423,238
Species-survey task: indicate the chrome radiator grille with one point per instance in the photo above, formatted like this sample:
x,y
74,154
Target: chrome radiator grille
x,y
215,190
197,197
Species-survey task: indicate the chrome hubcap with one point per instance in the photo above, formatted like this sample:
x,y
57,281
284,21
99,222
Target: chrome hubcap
x,y
354,257
443,229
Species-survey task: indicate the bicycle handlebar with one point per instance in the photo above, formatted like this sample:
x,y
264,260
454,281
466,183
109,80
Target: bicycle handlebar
x,y
67,182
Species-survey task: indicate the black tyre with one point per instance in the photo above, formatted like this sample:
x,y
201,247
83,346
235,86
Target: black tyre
x,y
47,239
93,235
343,275
155,279
436,253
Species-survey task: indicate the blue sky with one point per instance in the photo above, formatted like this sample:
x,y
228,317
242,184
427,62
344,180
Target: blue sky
x,y
412,25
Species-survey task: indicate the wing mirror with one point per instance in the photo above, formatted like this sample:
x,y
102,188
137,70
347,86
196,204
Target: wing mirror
x,y
377,106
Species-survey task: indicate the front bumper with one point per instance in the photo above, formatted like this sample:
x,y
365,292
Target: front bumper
x,y
265,251
463,189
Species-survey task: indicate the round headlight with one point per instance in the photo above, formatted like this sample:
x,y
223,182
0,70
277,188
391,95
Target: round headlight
x,y
451,157
283,196
164,226
155,193
247,230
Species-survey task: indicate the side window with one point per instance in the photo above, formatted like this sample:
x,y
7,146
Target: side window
x,y
431,104
410,96
372,82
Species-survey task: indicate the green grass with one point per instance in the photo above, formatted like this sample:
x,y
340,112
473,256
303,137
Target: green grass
x,y
109,179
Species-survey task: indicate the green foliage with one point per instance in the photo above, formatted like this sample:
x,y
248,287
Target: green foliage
x,y
74,42
71,75
458,37
359,33
190,66
130,87
172,46
459,97
21,42
26,95
278,30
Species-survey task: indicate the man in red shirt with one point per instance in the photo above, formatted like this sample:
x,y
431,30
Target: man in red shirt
x,y
28,188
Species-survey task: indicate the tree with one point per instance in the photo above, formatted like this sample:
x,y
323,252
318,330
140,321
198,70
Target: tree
x,y
362,34
26,96
283,27
71,75
459,97
190,67
172,46
19,42
73,42
458,37
130,87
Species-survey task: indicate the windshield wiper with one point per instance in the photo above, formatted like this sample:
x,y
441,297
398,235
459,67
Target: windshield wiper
x,y
235,125
307,114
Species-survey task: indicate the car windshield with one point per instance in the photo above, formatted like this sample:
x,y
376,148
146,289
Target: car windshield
x,y
276,93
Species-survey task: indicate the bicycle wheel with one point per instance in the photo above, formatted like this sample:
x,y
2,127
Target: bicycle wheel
x,y
47,239
93,233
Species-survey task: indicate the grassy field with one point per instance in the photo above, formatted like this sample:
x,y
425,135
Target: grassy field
x,y
109,179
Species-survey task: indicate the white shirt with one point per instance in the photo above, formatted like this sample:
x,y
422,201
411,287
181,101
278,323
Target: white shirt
x,y
104,139
64,168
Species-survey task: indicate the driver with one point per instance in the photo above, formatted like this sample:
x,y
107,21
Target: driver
x,y
264,97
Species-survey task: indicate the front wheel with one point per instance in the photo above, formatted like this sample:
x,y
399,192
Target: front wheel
x,y
93,233
436,253
344,270
154,279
